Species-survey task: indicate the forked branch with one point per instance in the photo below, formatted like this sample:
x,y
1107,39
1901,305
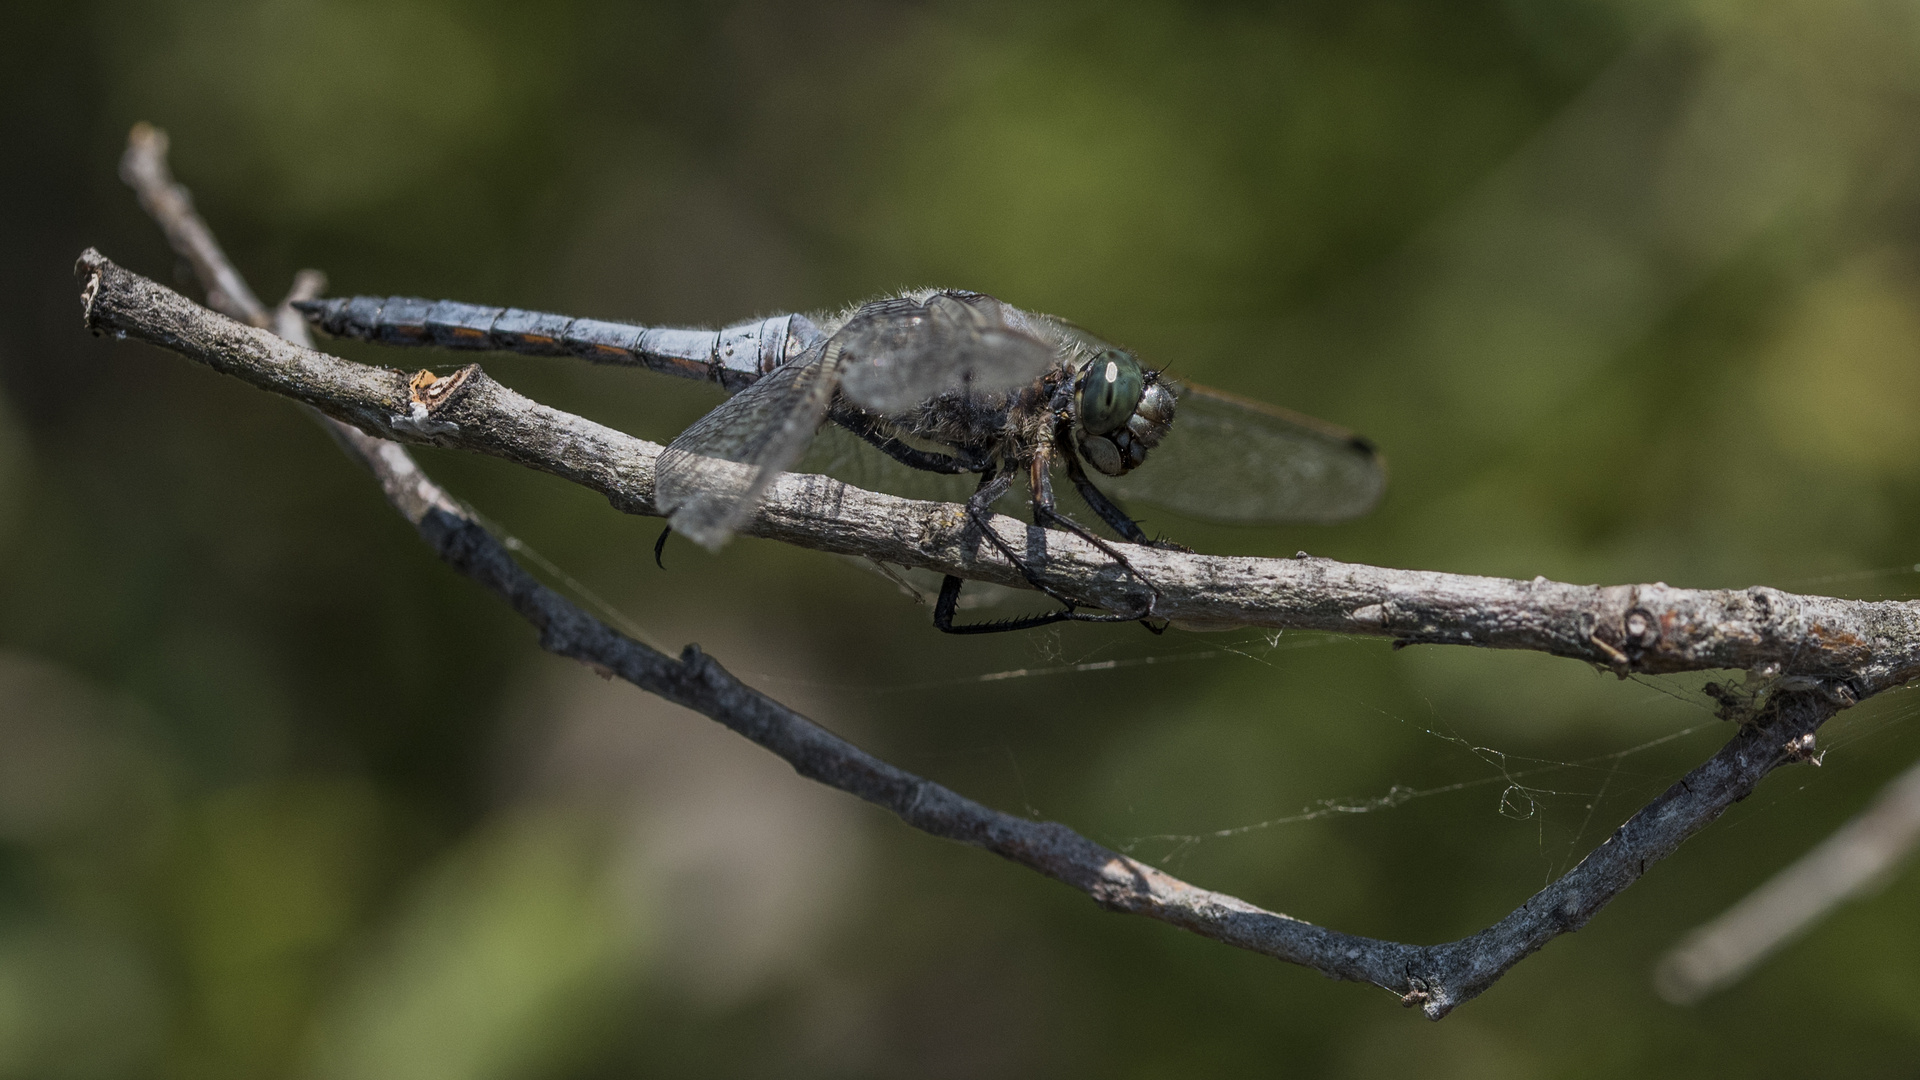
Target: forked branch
x,y
1818,654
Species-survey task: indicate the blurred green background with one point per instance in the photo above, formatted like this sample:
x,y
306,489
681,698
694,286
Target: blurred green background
x,y
1627,291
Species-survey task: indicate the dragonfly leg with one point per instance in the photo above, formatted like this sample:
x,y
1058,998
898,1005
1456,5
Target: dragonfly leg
x,y
911,456
944,608
1110,513
1045,512
1128,528
980,512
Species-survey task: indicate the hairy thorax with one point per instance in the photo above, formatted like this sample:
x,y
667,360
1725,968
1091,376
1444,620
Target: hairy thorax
x,y
1008,426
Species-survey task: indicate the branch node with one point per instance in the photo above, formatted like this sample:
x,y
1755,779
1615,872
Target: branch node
x,y
1643,630
429,394
1417,993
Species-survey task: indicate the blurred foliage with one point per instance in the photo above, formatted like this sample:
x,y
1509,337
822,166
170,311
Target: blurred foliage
x,y
1629,292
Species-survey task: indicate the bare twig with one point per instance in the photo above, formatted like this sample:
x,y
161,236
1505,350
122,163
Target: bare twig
x,y
1825,652
1851,862
144,168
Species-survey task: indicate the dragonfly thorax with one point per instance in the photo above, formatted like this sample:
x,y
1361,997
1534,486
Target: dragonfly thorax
x,y
1122,411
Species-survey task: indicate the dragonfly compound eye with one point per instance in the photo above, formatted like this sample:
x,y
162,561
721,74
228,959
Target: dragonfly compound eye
x,y
1111,391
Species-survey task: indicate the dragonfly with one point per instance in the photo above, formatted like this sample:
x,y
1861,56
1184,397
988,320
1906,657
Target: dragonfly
x,y
945,382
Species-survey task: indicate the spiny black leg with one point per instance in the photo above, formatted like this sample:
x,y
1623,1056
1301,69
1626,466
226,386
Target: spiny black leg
x,y
1041,513
980,512
1040,483
944,608
660,547
1110,513
1098,501
1045,512
990,489
911,456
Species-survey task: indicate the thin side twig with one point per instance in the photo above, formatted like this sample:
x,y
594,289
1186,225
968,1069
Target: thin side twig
x,y
1851,862
144,169
1541,615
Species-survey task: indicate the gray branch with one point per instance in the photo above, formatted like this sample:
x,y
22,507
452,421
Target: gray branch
x,y
1818,654
1852,647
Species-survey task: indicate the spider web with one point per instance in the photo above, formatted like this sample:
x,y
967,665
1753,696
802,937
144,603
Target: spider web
x,y
1582,796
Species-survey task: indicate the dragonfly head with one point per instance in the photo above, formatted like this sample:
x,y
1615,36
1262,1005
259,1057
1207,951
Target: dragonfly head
x,y
1124,411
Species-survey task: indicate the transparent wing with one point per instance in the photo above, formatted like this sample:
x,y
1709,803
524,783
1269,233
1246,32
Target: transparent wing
x,y
841,454
1231,460
710,479
901,352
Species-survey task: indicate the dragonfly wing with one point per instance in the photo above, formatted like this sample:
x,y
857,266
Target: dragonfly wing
x,y
1237,461
710,479
841,454
901,352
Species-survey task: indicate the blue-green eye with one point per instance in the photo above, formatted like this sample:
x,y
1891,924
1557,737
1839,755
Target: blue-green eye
x,y
1111,391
